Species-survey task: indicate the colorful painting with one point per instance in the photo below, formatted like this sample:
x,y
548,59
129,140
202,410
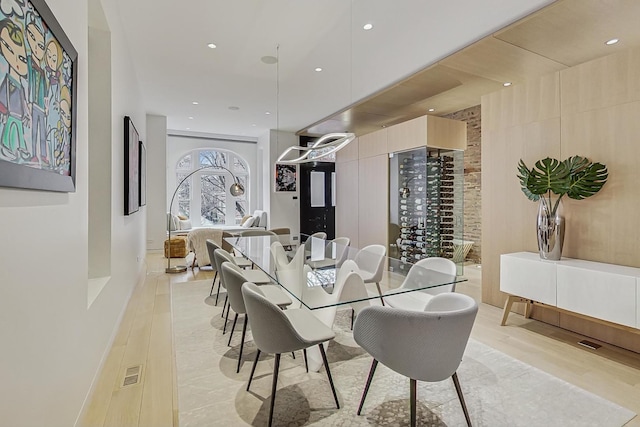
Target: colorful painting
x,y
37,105
285,178
131,167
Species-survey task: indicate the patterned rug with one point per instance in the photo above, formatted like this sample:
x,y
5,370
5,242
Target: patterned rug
x,y
499,390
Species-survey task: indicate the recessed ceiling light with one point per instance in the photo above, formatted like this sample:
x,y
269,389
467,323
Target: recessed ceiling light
x,y
253,124
367,26
190,118
267,113
506,84
195,102
318,69
384,126
234,108
211,46
269,59
188,128
612,41
431,110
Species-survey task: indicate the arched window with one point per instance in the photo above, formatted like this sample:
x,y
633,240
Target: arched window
x,y
207,191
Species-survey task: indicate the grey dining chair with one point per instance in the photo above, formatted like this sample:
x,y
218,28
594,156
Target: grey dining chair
x,y
278,331
256,276
335,253
233,280
419,275
211,247
430,347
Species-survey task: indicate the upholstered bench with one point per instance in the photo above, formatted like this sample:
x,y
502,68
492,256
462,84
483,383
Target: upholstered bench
x,y
178,247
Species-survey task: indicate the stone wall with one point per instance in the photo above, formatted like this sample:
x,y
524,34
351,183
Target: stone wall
x,y
472,183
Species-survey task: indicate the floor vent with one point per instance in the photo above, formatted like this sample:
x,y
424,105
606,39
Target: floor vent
x,y
132,376
589,344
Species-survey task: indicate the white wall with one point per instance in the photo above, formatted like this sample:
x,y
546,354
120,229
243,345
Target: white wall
x,y
156,181
52,343
283,208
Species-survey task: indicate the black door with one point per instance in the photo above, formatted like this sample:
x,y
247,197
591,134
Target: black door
x,y
317,210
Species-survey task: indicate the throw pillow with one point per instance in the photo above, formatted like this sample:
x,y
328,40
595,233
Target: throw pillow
x,y
184,224
182,217
248,223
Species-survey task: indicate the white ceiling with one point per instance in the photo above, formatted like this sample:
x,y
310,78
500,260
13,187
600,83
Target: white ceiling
x,y
168,41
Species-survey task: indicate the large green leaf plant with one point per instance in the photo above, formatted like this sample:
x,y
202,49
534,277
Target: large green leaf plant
x,y
577,177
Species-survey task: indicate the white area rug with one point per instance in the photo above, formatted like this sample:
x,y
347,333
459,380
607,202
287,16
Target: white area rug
x,y
499,390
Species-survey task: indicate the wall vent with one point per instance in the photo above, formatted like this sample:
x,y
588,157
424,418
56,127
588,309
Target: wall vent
x,y
589,344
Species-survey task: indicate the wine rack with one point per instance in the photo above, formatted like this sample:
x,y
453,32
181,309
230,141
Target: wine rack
x,y
424,199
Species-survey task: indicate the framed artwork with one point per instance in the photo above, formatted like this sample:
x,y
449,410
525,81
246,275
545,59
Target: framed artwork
x,y
131,167
285,178
142,167
38,81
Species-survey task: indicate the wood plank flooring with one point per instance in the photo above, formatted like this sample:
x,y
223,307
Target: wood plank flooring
x,y
145,338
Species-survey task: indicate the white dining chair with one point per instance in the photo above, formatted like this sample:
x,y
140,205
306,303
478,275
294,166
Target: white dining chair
x,y
234,277
418,276
278,331
429,348
370,261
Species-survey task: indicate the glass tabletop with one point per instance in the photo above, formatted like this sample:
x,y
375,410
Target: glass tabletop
x,y
311,272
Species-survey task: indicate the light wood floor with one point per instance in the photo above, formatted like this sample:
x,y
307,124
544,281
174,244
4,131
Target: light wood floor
x,y
145,338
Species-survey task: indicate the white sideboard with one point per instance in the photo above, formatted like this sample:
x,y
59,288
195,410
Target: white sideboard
x,y
601,291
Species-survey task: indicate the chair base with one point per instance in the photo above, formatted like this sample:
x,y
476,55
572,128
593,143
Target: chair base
x,y
413,394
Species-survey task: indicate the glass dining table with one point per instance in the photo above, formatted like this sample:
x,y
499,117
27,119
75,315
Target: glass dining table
x,y
314,266
311,274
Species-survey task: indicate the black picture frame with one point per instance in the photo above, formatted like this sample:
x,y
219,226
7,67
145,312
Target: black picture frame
x,y
28,159
131,167
142,181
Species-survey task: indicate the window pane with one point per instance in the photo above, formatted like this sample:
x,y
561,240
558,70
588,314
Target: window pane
x,y
238,165
184,192
241,210
213,158
185,162
213,199
184,208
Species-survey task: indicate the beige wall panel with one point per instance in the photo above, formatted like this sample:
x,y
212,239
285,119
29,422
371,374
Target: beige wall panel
x,y
348,153
533,101
604,227
347,194
446,133
603,82
373,144
508,217
407,135
373,178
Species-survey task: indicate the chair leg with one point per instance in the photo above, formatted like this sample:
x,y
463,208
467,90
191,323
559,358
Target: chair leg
x,y
226,319
244,332
276,368
213,284
293,354
225,305
372,371
326,367
412,398
306,363
253,369
456,383
380,293
235,319
353,316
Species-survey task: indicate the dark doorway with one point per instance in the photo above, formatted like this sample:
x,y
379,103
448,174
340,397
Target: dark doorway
x,y
317,198
317,210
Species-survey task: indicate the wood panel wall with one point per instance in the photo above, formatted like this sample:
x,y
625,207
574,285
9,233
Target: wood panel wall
x,y
591,110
